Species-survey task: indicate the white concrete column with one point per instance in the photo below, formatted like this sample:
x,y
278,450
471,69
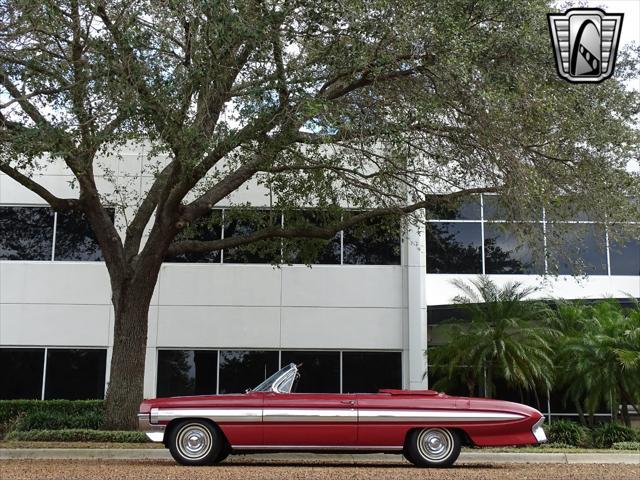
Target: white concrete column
x,y
414,260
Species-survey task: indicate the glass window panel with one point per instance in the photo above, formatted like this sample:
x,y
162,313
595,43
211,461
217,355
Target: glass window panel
x,y
467,208
624,250
26,233
320,371
75,374
75,240
243,369
373,242
368,372
187,372
505,391
204,230
312,251
21,373
454,247
572,247
496,209
244,223
506,252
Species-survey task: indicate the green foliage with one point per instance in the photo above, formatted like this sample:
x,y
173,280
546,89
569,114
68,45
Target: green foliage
x,y
568,433
605,435
25,414
77,435
598,354
507,337
626,445
52,420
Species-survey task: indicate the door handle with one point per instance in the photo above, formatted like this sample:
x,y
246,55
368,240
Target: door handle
x,y
348,402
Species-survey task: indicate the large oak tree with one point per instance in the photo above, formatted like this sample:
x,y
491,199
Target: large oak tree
x,y
383,106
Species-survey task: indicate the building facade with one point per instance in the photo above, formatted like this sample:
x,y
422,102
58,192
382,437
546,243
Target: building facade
x,y
360,318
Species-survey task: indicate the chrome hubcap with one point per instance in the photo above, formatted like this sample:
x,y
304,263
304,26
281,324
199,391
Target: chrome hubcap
x,y
194,441
435,444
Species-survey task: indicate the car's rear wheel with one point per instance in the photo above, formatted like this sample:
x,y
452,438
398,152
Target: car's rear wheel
x,y
195,442
432,447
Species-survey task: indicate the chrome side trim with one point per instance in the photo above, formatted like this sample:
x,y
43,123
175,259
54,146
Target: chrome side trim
x,y
214,414
154,432
318,447
365,415
538,431
328,415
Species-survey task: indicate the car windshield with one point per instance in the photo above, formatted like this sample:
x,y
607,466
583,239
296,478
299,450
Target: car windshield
x,y
267,385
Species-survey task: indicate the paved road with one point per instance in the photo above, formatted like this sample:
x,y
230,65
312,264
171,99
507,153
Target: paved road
x,y
314,468
465,457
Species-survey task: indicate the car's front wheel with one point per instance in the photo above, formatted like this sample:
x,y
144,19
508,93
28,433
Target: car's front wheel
x,y
195,442
432,447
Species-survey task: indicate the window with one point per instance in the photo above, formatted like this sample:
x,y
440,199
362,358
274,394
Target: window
x,y
308,250
494,208
243,369
204,229
187,372
75,374
573,246
505,252
367,372
238,224
454,247
624,254
320,371
26,233
467,208
75,239
21,373
373,242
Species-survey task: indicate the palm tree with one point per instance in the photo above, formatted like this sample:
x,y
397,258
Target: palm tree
x,y
599,356
507,338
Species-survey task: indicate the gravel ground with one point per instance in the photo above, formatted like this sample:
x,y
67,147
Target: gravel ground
x,y
246,469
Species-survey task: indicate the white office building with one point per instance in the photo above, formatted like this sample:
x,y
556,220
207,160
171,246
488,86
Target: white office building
x,y
359,319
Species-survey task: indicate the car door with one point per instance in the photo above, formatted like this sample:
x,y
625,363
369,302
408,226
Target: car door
x,y
301,420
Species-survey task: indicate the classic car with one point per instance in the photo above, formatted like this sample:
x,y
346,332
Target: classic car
x,y
427,427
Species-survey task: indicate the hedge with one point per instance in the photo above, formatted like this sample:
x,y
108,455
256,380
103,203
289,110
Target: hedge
x,y
12,409
626,445
568,433
605,435
77,435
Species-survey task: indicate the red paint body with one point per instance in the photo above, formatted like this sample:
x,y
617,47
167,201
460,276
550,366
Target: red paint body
x,y
347,423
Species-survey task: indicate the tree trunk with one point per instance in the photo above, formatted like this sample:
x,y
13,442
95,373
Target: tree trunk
x,y
126,380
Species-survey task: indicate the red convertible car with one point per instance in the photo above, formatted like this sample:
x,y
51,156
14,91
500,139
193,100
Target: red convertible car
x,y
426,426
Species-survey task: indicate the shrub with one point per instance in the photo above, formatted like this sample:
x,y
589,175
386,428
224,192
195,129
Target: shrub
x,y
568,433
55,420
626,446
10,410
604,436
77,435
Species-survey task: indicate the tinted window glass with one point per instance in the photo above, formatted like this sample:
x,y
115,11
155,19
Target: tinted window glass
x,y
367,372
187,372
21,373
496,209
572,247
506,252
535,399
320,371
462,209
463,382
204,230
75,239
454,247
624,250
26,233
312,251
243,369
373,242
244,223
75,374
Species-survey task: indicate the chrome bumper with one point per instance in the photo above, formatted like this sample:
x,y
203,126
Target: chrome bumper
x,y
538,431
154,432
